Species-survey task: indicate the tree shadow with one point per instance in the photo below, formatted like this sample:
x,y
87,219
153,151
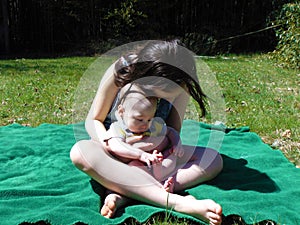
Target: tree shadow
x,y
236,175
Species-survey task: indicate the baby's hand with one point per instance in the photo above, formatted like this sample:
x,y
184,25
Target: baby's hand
x,y
159,157
149,158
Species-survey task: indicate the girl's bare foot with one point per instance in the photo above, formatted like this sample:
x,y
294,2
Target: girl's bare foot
x,y
112,202
169,185
209,211
206,210
191,197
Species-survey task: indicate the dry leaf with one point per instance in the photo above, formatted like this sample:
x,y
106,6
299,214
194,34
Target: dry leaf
x,y
286,134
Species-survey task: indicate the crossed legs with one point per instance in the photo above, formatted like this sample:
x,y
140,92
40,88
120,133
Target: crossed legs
x,y
137,184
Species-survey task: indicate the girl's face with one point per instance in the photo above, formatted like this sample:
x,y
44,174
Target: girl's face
x,y
169,95
159,87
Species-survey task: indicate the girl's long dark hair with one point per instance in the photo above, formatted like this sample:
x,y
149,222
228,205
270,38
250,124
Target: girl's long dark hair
x,y
162,59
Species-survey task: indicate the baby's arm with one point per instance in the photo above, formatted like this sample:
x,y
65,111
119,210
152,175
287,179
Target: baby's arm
x,y
123,149
149,143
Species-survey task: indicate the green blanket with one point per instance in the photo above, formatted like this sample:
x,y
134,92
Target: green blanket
x,y
39,182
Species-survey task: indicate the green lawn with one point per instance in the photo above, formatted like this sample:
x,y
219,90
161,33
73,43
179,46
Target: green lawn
x,y
254,90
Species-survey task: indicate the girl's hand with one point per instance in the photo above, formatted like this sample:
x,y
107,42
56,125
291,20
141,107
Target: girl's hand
x,y
137,142
134,139
151,143
178,150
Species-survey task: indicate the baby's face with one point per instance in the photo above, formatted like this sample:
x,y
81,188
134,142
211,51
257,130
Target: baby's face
x,y
138,116
138,121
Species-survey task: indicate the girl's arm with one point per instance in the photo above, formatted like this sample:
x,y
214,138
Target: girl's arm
x,y
175,142
177,112
102,103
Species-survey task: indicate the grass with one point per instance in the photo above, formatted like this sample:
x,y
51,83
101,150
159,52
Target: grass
x,y
39,91
264,97
257,93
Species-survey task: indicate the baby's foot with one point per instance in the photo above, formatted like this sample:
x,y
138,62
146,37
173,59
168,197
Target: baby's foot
x,y
169,185
112,202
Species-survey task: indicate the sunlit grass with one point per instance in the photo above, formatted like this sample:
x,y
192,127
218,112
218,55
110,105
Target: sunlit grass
x,y
39,91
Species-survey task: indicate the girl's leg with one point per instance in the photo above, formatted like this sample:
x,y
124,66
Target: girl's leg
x,y
135,183
162,170
196,166
113,200
168,184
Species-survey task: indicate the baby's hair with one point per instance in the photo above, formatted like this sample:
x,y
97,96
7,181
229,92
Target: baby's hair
x,y
131,93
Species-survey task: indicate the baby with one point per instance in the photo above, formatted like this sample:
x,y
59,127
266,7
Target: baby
x,y
136,121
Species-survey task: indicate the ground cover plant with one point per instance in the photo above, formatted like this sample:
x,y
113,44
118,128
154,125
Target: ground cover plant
x,y
257,92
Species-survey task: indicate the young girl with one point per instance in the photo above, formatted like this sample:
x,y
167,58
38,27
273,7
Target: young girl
x,y
167,71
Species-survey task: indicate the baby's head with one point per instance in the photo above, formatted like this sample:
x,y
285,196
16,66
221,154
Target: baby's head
x,y
137,110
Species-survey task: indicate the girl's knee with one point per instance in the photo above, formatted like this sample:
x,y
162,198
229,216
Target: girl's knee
x,y
76,157
217,164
